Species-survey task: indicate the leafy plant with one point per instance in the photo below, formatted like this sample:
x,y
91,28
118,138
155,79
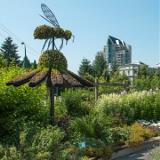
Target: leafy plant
x,y
136,135
74,101
84,158
19,105
120,134
139,133
45,144
93,126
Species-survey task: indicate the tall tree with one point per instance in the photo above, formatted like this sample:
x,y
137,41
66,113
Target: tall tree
x,y
34,64
114,67
9,51
143,70
100,65
26,62
85,68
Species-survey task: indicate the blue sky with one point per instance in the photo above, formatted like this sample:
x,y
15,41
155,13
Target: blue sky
x,y
137,22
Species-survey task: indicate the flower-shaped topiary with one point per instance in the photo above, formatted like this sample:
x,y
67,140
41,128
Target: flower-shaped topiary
x,y
53,59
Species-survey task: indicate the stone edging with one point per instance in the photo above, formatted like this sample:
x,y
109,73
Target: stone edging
x,y
145,145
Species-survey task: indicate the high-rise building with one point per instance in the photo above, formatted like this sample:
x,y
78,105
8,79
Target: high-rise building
x,y
117,52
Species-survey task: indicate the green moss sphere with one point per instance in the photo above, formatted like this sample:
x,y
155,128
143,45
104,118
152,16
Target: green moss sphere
x,y
53,59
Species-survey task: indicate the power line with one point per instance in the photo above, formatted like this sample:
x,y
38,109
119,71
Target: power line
x,y
19,39
6,30
2,35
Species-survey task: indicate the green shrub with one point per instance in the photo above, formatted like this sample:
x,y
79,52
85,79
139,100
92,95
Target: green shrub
x,y
138,105
93,126
93,148
9,153
48,143
139,133
75,102
120,134
45,144
136,135
84,158
19,105
60,109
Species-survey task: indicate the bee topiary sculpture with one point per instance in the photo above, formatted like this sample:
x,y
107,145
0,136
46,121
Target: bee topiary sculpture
x,y
52,65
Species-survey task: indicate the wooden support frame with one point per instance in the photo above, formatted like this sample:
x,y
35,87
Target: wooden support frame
x,y
125,85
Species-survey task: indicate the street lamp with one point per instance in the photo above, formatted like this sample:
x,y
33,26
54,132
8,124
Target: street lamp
x,y
24,48
25,55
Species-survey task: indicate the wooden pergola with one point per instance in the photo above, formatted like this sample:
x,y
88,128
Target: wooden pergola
x,y
53,79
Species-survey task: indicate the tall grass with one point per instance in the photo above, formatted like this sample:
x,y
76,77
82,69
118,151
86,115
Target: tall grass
x,y
137,105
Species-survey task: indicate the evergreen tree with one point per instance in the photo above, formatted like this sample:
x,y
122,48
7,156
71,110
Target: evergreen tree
x,y
26,62
85,68
143,70
157,72
100,65
34,64
9,51
114,67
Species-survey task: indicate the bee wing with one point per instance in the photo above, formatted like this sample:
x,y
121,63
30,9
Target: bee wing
x,y
49,16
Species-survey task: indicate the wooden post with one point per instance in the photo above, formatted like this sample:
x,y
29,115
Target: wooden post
x,y
51,98
53,44
51,91
96,89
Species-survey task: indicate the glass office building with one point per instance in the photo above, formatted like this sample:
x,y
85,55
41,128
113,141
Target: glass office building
x,y
117,52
